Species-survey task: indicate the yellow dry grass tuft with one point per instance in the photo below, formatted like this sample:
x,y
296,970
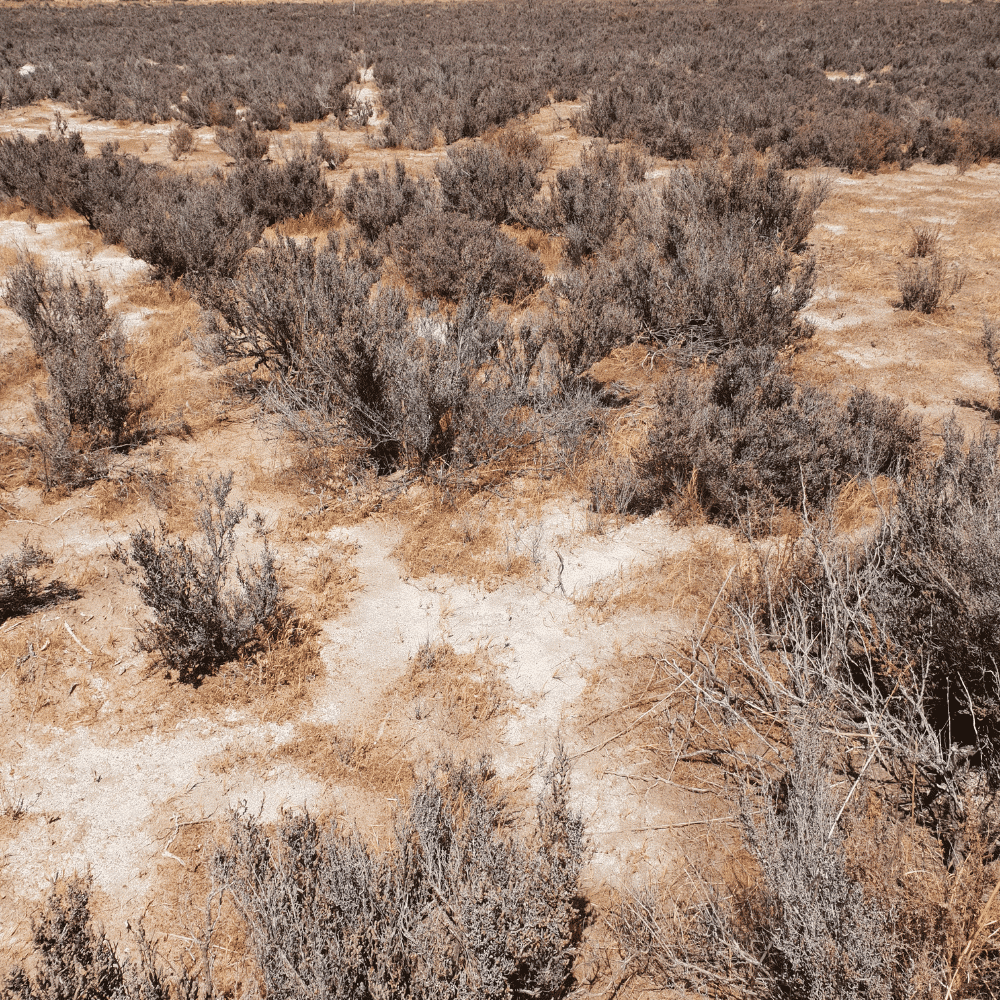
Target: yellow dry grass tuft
x,y
861,504
687,582
480,537
334,579
372,757
460,692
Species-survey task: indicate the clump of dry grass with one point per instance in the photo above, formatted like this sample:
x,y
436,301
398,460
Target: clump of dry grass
x,y
461,692
333,579
926,287
371,756
19,367
47,667
924,241
478,538
861,503
686,582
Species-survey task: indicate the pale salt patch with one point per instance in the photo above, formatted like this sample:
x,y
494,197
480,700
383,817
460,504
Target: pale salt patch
x,y
842,77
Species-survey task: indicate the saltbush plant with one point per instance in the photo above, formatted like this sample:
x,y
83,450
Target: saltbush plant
x,y
925,286
20,590
920,602
341,361
207,608
193,226
495,180
449,255
379,199
591,202
243,141
749,441
717,260
92,384
73,957
456,905
94,403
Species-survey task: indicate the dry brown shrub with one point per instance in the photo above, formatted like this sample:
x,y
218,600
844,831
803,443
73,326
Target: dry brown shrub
x,y
924,241
290,661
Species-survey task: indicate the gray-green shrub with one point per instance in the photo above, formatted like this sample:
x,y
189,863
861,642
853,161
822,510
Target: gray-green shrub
x,y
207,608
751,441
451,256
457,905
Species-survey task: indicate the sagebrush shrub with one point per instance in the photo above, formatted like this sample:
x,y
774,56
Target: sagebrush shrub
x,y
925,286
331,153
180,141
451,256
639,111
457,905
183,226
341,361
94,402
591,202
751,441
243,142
495,180
715,261
194,226
92,383
797,924
47,173
20,590
73,958
930,586
287,297
273,192
379,199
207,608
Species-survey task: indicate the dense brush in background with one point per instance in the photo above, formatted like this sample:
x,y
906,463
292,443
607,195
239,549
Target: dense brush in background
x,y
677,78
195,226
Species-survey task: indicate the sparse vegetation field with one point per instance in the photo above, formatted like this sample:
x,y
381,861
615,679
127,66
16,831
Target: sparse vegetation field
x,y
499,501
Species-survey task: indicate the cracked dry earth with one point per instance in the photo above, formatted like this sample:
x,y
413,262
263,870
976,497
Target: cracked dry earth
x,y
111,768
